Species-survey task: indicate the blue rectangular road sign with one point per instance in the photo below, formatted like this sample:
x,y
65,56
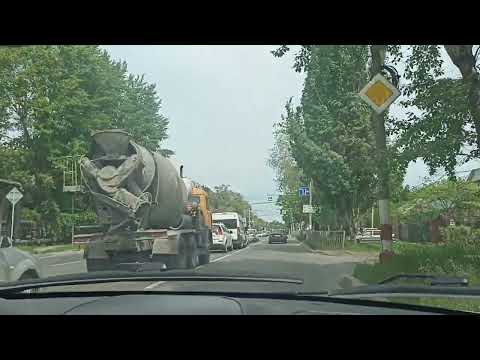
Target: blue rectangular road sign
x,y
304,191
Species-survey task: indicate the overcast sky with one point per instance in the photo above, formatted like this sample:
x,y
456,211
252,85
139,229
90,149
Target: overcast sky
x,y
222,102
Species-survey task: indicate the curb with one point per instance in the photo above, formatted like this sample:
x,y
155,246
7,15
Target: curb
x,y
349,282
308,247
316,251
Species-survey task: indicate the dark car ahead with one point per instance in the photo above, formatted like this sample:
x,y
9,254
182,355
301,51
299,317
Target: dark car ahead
x,y
277,237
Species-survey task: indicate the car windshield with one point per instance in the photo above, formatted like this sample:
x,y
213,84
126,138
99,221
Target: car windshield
x,y
363,160
229,223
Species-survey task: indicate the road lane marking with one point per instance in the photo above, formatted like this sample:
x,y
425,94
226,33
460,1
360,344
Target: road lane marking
x,y
154,285
67,263
231,254
158,283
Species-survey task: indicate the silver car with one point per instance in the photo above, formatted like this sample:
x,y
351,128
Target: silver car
x,y
16,264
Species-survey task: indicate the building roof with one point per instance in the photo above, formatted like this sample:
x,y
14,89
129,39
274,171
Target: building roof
x,y
474,175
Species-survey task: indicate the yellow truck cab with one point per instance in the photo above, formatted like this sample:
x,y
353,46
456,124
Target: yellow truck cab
x,y
202,198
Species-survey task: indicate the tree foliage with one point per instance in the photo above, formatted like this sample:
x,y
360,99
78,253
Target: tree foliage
x,y
442,125
288,175
330,134
223,199
439,126
52,98
447,197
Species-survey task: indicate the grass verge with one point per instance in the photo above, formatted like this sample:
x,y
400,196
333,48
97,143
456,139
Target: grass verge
x,y
432,259
365,247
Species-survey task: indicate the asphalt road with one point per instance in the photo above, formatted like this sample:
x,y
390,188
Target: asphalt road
x,y
291,260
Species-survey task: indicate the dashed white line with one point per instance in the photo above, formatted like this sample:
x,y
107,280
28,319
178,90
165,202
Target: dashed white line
x,y
158,283
154,285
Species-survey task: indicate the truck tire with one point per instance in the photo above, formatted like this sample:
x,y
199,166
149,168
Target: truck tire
x,y
204,258
181,260
192,256
170,261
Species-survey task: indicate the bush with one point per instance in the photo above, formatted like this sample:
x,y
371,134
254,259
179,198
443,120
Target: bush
x,y
66,221
456,234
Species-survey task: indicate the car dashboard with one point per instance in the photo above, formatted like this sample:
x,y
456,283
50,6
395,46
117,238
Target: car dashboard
x,y
170,304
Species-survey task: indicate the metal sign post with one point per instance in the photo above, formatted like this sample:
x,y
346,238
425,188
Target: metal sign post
x,y
14,196
305,191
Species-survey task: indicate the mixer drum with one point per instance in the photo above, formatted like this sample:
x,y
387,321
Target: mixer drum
x,y
130,183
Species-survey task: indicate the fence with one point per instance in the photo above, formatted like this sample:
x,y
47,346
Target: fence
x,y
325,240
420,233
368,235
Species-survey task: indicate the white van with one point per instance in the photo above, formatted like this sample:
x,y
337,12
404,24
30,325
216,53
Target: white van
x,y
233,222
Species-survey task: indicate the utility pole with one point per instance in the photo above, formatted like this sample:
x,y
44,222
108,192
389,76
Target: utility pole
x,y
310,202
292,229
378,53
373,214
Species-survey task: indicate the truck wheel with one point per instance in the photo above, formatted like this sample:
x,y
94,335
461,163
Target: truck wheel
x,y
170,261
192,252
204,258
181,260
193,257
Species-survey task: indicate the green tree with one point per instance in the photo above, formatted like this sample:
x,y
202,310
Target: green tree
x,y
442,125
288,175
458,199
439,126
330,134
51,98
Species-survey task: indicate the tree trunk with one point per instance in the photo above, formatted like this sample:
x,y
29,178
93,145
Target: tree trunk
x,y
463,58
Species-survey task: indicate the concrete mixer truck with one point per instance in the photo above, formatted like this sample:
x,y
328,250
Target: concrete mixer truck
x,y
151,217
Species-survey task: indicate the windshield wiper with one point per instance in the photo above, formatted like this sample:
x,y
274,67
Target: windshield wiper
x,y
435,280
122,276
438,286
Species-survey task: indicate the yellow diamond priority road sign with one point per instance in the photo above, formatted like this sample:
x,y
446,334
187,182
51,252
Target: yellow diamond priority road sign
x,y
379,93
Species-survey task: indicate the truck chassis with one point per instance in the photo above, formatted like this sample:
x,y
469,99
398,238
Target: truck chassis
x,y
156,249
